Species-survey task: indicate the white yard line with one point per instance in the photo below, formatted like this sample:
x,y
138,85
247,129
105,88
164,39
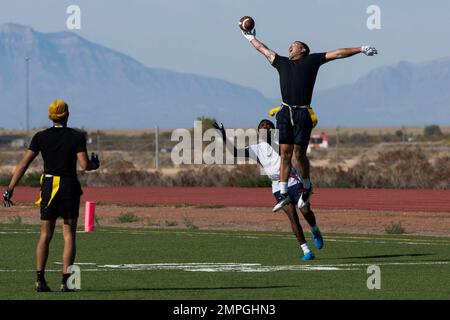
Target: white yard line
x,y
355,239
235,267
80,263
347,239
19,232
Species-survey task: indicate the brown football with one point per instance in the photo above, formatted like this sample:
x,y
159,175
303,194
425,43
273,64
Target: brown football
x,y
247,23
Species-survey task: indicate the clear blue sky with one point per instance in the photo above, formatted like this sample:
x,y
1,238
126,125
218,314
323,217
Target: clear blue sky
x,y
201,36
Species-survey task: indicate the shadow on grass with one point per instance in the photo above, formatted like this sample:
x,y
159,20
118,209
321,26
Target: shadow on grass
x,y
190,289
388,256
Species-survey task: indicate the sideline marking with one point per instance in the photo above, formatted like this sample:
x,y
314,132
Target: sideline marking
x,y
332,238
19,232
355,239
256,267
79,263
236,267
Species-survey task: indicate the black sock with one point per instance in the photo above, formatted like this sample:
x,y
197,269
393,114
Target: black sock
x,y
40,276
65,277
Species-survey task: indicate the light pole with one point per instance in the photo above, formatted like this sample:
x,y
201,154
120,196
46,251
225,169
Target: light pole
x,y
157,148
337,146
27,96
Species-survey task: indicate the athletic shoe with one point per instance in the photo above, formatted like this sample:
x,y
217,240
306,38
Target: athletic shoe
x,y
283,200
41,286
308,256
65,288
317,239
305,194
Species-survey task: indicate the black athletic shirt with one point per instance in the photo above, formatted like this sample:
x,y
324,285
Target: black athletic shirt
x,y
297,77
59,148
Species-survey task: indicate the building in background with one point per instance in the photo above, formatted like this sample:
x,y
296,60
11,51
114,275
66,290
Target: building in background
x,y
318,142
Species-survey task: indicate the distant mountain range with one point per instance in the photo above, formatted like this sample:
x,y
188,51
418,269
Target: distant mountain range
x,y
402,94
107,89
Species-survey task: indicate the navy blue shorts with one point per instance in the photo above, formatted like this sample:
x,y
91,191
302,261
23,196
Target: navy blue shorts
x,y
293,191
298,134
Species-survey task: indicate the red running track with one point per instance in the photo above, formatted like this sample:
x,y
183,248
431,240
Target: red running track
x,y
364,199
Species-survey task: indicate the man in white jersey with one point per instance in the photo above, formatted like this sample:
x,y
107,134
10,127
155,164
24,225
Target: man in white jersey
x,y
268,158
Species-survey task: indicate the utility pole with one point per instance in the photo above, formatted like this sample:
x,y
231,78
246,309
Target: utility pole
x,y
337,146
27,97
157,148
98,142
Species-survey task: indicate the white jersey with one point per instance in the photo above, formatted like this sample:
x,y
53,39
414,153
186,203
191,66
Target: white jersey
x,y
270,160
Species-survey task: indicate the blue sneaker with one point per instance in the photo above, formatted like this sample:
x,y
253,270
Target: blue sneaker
x,y
317,239
308,256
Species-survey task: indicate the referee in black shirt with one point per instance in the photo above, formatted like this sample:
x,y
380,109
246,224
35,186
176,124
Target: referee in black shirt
x,y
297,78
61,147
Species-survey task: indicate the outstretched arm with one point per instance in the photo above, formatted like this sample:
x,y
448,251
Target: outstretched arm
x,y
261,47
348,52
258,45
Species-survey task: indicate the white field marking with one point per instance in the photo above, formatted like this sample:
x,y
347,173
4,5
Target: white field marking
x,y
387,242
19,232
79,263
363,239
247,237
51,270
437,240
211,269
256,267
204,267
407,241
221,267
16,229
240,267
290,238
359,237
393,264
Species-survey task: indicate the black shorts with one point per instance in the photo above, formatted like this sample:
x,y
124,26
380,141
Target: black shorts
x,y
60,199
298,134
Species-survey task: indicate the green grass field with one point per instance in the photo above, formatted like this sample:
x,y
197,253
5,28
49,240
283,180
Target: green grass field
x,y
159,264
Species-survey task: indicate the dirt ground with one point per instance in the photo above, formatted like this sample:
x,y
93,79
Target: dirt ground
x,y
214,217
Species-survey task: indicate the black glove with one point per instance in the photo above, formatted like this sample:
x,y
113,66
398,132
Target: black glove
x,y
7,195
220,128
95,160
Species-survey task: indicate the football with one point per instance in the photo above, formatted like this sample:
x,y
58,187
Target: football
x,y
247,23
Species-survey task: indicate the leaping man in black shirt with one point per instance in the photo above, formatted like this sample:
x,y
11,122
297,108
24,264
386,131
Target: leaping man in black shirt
x,y
61,147
294,122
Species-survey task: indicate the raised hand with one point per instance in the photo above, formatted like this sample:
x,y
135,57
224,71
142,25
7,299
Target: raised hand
x,y
95,160
369,51
7,195
249,35
220,128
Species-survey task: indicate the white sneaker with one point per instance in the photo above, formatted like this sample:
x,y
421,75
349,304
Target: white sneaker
x,y
283,200
305,195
